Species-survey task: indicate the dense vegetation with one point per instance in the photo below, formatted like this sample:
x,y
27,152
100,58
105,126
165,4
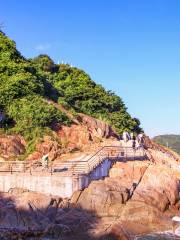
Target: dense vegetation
x,y
171,141
26,83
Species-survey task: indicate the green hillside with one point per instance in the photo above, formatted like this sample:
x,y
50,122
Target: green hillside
x,y
25,84
171,141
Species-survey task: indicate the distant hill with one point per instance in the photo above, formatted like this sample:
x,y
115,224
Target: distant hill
x,y
170,140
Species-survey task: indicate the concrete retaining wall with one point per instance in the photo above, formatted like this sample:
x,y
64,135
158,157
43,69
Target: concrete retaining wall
x,y
55,184
50,184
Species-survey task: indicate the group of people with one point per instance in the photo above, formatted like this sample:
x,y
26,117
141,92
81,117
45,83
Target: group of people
x,y
137,141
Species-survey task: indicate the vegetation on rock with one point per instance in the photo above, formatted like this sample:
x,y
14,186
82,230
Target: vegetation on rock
x,y
26,84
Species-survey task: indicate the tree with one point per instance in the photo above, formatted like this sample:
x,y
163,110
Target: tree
x,y
44,63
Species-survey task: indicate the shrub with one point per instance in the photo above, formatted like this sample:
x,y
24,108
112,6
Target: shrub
x,y
32,112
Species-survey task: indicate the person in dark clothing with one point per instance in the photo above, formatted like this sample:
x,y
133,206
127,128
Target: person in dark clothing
x,y
134,144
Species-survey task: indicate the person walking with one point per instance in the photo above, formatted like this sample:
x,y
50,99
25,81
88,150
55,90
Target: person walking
x,y
45,161
126,136
140,139
134,144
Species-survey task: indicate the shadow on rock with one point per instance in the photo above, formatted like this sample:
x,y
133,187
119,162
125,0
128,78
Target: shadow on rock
x,y
28,215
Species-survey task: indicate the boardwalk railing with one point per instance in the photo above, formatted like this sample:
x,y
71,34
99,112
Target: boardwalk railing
x,y
113,153
18,166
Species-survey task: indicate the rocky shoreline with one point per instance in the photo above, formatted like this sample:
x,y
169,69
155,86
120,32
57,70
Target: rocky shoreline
x,y
136,201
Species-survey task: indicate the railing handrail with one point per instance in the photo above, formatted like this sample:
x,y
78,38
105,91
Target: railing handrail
x,y
86,165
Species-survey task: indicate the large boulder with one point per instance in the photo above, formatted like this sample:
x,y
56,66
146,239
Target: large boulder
x,y
97,128
140,217
74,137
103,197
46,146
128,172
22,208
11,146
136,192
26,215
155,185
158,187
89,130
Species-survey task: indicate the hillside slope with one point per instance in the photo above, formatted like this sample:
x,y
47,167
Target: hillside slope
x,y
170,140
26,85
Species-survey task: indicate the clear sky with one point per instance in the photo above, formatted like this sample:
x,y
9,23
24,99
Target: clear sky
x,y
131,47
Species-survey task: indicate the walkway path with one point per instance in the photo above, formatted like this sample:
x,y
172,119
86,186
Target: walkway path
x,y
83,164
64,178
86,164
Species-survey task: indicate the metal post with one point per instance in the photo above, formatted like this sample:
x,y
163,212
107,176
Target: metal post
x,y
88,168
11,168
51,170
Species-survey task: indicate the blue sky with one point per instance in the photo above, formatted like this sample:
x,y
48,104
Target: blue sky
x,y
131,47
